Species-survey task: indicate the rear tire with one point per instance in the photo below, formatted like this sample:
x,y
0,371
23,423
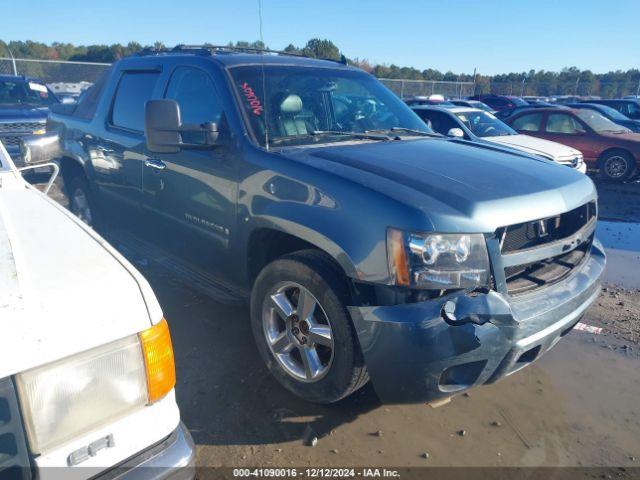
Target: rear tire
x,y
286,329
81,202
617,165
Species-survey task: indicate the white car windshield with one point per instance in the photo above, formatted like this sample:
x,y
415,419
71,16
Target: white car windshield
x,y
484,124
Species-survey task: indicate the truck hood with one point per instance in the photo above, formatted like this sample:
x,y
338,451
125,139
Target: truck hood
x,y
460,186
554,150
21,113
63,290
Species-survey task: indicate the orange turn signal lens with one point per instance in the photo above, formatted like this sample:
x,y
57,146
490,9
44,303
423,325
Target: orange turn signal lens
x,y
397,256
158,359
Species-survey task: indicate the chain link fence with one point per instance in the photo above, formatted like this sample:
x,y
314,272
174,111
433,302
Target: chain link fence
x,y
63,77
555,89
412,88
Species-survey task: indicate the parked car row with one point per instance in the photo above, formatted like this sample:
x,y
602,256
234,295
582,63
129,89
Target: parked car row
x,y
609,147
482,127
599,134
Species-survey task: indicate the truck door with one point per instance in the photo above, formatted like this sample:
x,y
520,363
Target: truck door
x,y
191,195
117,152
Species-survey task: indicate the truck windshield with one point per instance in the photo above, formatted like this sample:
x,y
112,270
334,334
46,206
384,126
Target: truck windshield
x,y
484,124
17,92
293,105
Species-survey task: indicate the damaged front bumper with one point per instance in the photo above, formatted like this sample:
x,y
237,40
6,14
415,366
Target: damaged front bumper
x,y
414,355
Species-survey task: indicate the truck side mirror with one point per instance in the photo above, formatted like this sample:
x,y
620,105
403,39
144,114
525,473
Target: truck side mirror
x,y
455,133
166,133
162,126
37,149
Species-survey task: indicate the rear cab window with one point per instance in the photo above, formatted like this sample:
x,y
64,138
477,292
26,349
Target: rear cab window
x,y
133,91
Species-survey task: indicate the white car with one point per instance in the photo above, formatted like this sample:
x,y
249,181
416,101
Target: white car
x,y
87,371
480,126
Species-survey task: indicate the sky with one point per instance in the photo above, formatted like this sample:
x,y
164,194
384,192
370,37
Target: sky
x,y
494,36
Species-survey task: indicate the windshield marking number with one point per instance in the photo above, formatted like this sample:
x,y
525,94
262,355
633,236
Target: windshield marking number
x,y
252,98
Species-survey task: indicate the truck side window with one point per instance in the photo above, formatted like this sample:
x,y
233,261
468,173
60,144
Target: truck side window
x,y
134,89
196,94
528,123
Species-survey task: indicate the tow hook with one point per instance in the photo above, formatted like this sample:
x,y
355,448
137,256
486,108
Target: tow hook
x,y
479,309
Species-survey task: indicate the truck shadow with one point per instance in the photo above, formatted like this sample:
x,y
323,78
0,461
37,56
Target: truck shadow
x,y
226,395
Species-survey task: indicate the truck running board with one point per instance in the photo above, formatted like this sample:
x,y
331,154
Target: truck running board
x,y
142,254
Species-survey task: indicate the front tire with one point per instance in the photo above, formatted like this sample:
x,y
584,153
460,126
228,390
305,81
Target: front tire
x,y
617,165
303,330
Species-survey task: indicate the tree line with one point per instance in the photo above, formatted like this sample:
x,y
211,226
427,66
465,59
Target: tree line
x,y
570,81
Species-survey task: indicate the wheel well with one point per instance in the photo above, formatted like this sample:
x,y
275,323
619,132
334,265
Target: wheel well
x,y
611,150
266,245
70,168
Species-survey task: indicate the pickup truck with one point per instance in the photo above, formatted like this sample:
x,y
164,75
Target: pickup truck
x,y
368,246
86,363
24,105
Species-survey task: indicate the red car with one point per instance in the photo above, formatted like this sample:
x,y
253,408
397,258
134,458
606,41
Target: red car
x,y
609,147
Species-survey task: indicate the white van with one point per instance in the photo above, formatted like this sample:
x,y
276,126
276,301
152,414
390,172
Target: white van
x,y
87,371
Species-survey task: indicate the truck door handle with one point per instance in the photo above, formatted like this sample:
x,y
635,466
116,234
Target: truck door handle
x,y
157,164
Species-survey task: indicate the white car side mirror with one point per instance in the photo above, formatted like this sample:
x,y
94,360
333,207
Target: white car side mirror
x,y
455,133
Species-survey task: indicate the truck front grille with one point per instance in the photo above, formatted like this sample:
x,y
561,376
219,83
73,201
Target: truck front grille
x,y
11,133
14,458
10,140
529,276
569,234
532,234
21,127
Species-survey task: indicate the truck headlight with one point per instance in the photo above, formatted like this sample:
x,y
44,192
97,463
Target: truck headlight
x,y
437,260
78,394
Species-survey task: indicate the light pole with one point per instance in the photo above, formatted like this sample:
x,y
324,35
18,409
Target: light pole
x,y
13,60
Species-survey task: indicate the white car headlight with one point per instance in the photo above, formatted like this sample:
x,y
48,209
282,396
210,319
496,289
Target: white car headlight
x,y
438,260
75,395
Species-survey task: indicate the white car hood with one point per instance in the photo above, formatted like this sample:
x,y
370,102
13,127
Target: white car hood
x,y
63,289
555,150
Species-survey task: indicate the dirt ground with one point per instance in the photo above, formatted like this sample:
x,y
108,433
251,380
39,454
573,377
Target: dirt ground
x,y
577,406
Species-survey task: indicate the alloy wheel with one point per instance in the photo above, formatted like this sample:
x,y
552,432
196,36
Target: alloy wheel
x,y
615,166
298,332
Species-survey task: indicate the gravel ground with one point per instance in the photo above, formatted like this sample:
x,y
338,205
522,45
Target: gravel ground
x,y
617,312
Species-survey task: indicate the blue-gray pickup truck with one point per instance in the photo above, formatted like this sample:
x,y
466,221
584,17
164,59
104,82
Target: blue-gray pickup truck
x,y
369,247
